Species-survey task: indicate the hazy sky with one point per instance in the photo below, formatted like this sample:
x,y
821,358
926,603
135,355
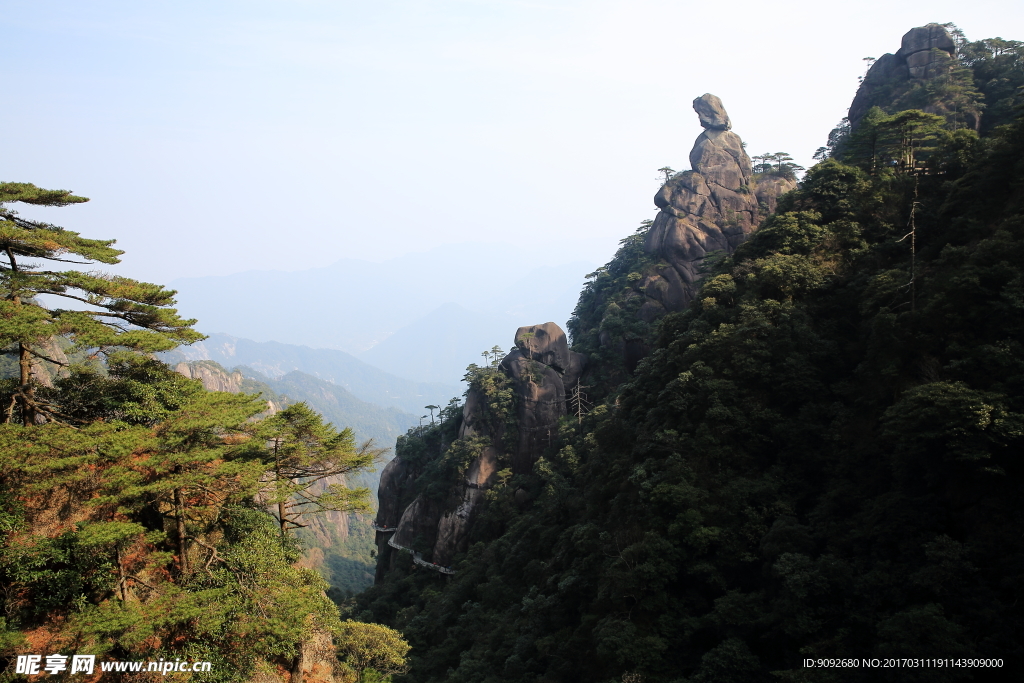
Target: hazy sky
x,y
216,137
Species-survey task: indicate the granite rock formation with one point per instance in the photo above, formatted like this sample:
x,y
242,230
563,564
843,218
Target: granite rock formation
x,y
539,370
927,53
712,208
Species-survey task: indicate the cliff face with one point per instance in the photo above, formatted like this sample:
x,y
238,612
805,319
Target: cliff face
x,y
535,377
216,378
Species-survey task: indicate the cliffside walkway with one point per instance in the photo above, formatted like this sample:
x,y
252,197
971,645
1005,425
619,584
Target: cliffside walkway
x,y
384,529
417,557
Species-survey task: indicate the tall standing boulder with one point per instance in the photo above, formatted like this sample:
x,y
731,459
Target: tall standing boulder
x,y
712,208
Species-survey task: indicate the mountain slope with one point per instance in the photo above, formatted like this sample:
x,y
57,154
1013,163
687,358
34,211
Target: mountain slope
x,y
274,359
817,458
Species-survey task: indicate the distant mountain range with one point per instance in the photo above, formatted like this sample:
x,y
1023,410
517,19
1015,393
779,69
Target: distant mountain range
x,y
276,364
421,316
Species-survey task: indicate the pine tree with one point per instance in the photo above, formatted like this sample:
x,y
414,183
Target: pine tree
x,y
303,453
118,312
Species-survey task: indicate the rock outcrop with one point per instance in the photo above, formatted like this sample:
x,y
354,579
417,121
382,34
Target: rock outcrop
x,y
927,53
213,377
712,208
539,370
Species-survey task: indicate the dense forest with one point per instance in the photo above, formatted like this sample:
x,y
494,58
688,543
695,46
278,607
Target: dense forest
x,y
818,458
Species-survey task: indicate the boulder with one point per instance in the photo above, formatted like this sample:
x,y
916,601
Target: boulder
x,y
925,39
711,112
548,344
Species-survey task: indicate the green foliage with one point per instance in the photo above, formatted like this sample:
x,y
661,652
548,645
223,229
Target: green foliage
x,y
899,143
307,459
607,315
376,652
119,313
998,69
132,535
818,459
777,164
132,388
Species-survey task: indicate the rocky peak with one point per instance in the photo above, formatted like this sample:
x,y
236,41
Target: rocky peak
x,y
917,45
540,370
711,112
548,345
926,53
712,208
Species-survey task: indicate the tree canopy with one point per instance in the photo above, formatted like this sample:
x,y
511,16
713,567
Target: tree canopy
x,y
110,311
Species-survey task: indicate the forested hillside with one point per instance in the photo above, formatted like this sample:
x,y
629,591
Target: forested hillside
x,y
817,458
338,545
144,518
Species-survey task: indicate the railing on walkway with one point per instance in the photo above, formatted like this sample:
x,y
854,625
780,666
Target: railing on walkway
x,y
418,558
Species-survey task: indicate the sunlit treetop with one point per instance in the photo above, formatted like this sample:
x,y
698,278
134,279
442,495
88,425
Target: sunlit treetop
x,y
111,312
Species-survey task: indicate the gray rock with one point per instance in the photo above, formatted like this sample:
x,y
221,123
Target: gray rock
x,y
541,402
711,112
712,208
389,492
926,38
718,155
926,53
548,344
483,471
453,529
418,525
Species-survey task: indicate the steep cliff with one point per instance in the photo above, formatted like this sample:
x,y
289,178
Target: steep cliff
x,y
913,78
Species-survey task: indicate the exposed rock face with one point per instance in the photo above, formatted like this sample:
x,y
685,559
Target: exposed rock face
x,y
393,479
418,524
44,372
711,112
317,663
712,208
540,369
213,379
216,378
926,53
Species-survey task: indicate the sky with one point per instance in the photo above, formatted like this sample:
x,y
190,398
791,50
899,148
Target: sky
x,y
217,137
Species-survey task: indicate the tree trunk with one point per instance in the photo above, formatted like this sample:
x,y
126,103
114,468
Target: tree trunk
x,y
179,522
26,391
296,676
